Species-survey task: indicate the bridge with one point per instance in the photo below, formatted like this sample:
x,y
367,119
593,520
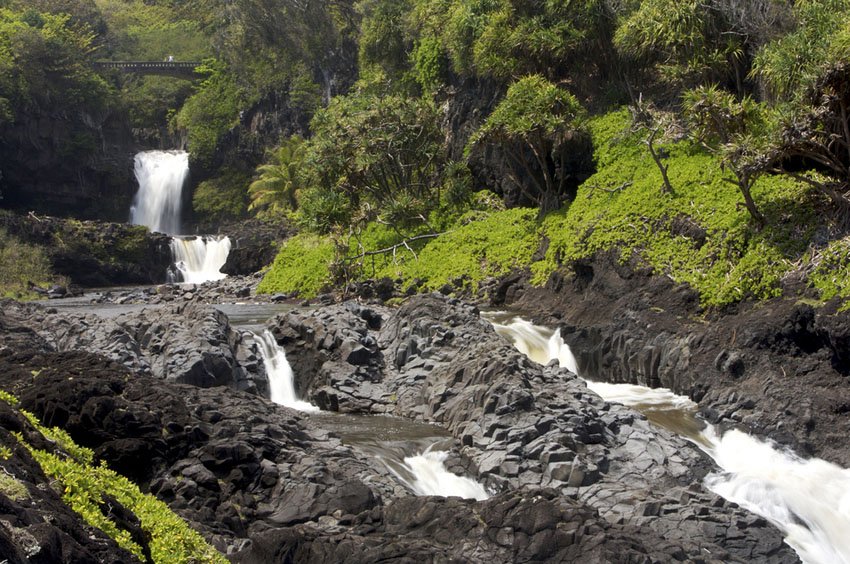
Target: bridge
x,y
179,69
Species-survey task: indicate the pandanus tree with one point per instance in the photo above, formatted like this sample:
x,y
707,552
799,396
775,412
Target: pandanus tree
x,y
735,129
815,144
380,154
537,127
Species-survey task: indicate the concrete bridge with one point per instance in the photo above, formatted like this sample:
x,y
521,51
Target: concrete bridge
x,y
179,69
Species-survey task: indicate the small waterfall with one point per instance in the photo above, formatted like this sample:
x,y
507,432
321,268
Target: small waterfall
x,y
808,500
430,477
281,380
537,343
424,473
161,175
199,259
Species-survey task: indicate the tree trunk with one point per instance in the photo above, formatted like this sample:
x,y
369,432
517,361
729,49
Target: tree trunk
x,y
550,201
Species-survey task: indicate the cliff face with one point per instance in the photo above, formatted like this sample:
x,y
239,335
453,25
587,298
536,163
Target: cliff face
x,y
94,254
78,165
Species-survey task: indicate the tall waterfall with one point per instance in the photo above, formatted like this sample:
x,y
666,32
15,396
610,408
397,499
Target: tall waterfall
x,y
281,379
199,259
161,175
807,499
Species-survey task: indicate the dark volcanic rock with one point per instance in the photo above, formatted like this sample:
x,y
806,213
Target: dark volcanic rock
x,y
527,526
572,477
92,253
189,342
230,463
520,425
254,244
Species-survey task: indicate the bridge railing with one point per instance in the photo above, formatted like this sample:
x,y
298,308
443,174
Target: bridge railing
x,y
149,66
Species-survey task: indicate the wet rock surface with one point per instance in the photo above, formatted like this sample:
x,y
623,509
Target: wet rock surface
x,y
573,477
187,342
527,526
254,245
519,425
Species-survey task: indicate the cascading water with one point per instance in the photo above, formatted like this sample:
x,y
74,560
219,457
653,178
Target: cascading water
x,y
431,477
161,175
199,259
281,380
808,500
424,473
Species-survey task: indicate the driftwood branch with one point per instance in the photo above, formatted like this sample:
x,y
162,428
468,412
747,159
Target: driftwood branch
x,y
394,248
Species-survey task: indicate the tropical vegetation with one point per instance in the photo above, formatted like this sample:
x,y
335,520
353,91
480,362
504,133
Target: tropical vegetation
x,y
403,113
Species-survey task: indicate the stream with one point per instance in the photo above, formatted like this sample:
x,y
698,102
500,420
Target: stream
x,y
807,499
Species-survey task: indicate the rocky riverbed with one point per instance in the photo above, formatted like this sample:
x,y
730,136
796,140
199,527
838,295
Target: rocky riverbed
x,y
571,477
777,369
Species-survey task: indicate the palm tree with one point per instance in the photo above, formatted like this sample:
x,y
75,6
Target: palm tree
x,y
276,189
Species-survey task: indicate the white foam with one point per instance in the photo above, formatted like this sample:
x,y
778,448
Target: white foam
x,y
200,259
807,499
430,477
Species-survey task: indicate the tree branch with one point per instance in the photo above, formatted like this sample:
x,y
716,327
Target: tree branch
x,y
393,248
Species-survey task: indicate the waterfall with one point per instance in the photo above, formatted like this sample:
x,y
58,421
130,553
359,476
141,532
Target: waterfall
x,y
430,477
199,259
281,380
161,175
425,473
808,500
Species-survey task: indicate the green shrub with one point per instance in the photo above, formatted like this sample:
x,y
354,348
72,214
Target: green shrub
x,y
222,198
210,112
699,235
480,246
20,264
13,488
832,265
133,247
172,540
302,266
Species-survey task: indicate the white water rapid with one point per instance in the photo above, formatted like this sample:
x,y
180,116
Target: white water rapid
x,y
161,175
281,381
199,259
808,500
430,477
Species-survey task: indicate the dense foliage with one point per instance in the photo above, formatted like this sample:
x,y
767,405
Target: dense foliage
x,y
743,127
755,91
22,265
535,125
